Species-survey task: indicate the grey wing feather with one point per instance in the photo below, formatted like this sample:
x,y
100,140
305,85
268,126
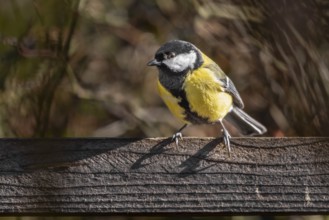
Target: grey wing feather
x,y
230,88
227,84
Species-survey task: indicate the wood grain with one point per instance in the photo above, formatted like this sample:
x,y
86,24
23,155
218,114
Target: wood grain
x,y
152,176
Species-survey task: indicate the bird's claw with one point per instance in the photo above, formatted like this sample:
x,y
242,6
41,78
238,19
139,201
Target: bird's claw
x,y
176,137
226,137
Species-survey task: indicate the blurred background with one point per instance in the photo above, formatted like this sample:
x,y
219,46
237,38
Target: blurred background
x,y
78,68
310,217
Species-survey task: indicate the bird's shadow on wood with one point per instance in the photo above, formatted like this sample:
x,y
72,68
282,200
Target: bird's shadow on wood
x,y
191,165
159,148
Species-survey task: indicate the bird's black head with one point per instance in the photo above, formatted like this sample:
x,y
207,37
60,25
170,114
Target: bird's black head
x,y
177,56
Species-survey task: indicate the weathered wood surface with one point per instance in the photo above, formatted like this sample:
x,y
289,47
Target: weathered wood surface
x,y
118,176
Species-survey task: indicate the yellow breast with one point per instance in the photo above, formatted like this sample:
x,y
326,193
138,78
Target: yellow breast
x,y
205,96
172,103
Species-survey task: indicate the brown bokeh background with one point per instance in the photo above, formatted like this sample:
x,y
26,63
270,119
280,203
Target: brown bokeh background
x,y
78,68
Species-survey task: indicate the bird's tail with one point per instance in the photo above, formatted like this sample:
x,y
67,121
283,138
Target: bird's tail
x,y
244,122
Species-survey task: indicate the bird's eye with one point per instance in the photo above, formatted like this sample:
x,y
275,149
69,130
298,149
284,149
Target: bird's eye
x,y
169,55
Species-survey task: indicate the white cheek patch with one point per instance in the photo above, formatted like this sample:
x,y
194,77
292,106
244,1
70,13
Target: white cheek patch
x,y
181,62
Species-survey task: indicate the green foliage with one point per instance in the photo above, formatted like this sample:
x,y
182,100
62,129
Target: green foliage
x,y
34,59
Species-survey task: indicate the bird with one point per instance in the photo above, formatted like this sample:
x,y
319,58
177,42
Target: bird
x,y
197,91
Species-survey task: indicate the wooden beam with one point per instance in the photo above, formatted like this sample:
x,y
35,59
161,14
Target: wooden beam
x,y
152,176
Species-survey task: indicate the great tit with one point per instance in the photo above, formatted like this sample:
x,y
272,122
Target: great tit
x,y
197,91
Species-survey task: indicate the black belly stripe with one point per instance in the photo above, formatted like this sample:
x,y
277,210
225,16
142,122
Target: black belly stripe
x,y
190,116
174,84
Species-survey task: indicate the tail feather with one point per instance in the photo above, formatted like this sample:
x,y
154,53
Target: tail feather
x,y
245,123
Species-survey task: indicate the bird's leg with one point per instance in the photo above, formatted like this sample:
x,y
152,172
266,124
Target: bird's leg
x,y
226,137
178,134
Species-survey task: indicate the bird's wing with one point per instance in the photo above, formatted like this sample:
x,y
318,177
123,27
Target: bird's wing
x,y
230,88
226,84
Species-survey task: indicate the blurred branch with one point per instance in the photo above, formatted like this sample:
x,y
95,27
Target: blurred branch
x,y
60,70
38,64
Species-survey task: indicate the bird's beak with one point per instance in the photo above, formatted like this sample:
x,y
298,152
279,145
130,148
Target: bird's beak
x,y
154,63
